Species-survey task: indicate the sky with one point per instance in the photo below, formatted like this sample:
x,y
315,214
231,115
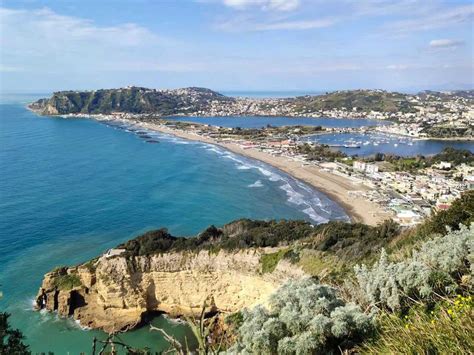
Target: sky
x,y
245,45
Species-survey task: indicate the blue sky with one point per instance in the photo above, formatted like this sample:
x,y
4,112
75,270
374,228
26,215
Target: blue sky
x,y
310,45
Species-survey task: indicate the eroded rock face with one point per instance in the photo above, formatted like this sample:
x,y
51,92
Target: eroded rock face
x,y
114,292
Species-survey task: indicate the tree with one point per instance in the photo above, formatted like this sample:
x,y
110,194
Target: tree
x,y
11,340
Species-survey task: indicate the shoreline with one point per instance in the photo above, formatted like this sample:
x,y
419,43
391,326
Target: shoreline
x,y
339,189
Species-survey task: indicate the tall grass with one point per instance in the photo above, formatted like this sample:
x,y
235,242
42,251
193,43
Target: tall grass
x,y
448,329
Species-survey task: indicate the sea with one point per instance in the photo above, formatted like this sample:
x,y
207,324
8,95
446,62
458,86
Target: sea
x,y
70,189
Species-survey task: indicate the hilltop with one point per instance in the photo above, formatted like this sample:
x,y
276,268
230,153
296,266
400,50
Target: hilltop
x,y
138,100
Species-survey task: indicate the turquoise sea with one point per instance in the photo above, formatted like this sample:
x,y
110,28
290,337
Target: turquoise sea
x,y
72,188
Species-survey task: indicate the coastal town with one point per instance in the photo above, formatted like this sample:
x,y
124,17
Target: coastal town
x,y
376,188
408,197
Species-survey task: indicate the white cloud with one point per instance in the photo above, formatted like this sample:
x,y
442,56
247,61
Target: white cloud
x,y
43,40
435,19
445,43
397,67
246,25
10,69
271,5
293,25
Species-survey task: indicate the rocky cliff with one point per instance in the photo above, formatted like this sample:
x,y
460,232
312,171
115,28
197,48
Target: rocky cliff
x,y
157,272
114,292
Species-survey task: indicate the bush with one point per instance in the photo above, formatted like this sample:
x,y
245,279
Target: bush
x,y
441,266
11,340
460,212
243,233
447,329
67,281
304,317
270,261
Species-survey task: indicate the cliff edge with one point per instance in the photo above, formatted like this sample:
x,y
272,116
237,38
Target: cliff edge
x,y
157,272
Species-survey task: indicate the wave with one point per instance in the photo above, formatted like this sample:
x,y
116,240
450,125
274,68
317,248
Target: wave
x,y
307,200
257,183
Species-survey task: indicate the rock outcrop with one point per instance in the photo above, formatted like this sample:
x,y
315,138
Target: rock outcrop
x,y
116,291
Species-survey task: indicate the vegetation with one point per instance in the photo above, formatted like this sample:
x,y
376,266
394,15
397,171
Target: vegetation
x,y
460,212
447,329
147,101
131,100
11,340
440,267
412,164
448,131
358,100
240,234
270,261
320,152
304,317
67,281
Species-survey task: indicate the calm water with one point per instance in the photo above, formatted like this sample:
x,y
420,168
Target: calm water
x,y
70,189
378,143
259,122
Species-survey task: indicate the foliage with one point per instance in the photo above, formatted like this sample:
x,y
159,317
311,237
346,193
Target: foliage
x,y
353,241
447,329
304,317
320,152
440,266
133,100
270,261
239,234
412,164
359,100
460,212
67,281
11,340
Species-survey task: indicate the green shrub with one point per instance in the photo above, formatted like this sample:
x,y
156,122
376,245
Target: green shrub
x,y
270,261
67,281
438,267
304,318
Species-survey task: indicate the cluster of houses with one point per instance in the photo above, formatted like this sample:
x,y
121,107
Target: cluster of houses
x,y
412,197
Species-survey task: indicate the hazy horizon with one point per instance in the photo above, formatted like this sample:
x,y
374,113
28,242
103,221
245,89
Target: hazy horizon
x,y
237,45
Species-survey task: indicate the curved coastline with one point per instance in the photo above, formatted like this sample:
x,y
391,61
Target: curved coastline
x,y
339,189
346,193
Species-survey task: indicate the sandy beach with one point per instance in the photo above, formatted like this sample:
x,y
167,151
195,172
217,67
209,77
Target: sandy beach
x,y
338,188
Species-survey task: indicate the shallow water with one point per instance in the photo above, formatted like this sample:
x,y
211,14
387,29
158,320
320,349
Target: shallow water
x,y
379,143
259,122
72,188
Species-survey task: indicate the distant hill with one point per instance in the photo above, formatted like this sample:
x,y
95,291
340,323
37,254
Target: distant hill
x,y
138,100
135,100
358,100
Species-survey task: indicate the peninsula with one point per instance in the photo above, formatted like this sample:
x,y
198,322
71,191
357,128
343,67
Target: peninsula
x,y
369,191
427,114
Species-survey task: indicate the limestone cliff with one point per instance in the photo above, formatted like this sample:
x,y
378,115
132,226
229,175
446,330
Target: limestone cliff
x,y
114,292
